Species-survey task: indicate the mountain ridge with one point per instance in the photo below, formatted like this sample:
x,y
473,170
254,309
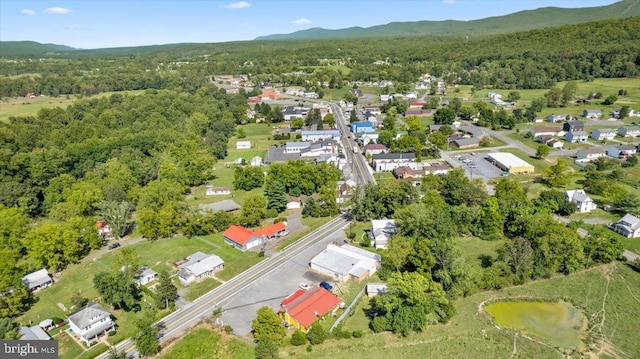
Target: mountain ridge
x,y
495,25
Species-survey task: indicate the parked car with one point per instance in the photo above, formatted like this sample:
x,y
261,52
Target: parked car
x,y
114,245
304,286
326,286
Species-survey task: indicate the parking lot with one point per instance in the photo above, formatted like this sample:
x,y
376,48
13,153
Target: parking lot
x,y
477,166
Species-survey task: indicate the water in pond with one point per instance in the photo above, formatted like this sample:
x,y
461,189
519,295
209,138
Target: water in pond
x,y
558,324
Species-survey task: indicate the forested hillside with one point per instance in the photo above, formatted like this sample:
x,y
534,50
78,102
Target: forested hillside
x,y
520,21
531,59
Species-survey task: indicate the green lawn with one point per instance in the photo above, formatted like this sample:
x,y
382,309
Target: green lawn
x,y
195,290
472,333
311,223
204,343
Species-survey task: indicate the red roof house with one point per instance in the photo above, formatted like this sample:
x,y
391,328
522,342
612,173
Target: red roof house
x,y
305,309
244,238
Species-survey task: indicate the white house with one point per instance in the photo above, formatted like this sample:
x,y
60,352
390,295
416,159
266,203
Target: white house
x,y
629,131
38,279
576,137
374,289
390,161
381,232
256,161
198,267
314,136
217,191
145,275
557,118
296,147
90,322
345,262
592,114
622,151
603,134
578,197
628,226
590,154
243,145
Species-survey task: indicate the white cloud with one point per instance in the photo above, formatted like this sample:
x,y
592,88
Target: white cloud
x,y
27,12
450,2
301,21
238,5
57,10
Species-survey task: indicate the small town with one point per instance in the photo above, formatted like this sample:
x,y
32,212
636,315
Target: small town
x,y
294,196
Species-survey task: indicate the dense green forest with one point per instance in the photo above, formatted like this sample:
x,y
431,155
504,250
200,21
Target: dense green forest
x,y
520,21
531,59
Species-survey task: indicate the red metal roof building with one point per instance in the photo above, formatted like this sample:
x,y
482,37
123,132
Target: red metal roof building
x,y
304,309
244,238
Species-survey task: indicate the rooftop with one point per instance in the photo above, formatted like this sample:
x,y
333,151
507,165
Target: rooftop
x,y
309,306
88,315
509,160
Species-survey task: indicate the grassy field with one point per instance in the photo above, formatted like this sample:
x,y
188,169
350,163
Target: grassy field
x,y
609,296
23,107
204,342
158,255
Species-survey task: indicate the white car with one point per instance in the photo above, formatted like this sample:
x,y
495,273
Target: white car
x,y
304,286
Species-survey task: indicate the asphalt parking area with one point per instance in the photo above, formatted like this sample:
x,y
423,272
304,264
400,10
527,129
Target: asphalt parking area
x,y
479,166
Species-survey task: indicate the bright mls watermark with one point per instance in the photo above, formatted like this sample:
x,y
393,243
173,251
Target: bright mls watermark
x,y
29,349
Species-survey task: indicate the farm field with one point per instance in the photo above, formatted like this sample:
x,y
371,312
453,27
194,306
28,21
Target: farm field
x,y
30,107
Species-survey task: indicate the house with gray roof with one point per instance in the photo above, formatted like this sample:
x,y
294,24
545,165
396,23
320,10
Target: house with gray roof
x,y
576,137
622,151
228,205
33,333
601,134
390,161
592,113
38,279
381,232
90,322
628,226
629,131
345,262
198,267
583,202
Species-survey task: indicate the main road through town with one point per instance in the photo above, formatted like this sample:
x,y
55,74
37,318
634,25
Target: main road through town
x,y
354,155
177,323
268,282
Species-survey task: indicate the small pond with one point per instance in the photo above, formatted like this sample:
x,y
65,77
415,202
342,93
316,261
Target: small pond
x,y
557,323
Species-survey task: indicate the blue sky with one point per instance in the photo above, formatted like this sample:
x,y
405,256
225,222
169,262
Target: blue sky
x,y
91,24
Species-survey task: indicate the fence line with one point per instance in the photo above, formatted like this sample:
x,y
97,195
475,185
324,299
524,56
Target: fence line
x,y
354,302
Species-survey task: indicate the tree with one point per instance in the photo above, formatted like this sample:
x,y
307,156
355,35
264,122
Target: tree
x,y
266,349
254,210
128,260
276,196
444,116
117,214
601,247
624,112
267,327
297,123
9,329
568,91
554,97
146,337
438,139
615,193
317,334
542,151
77,300
247,178
17,302
518,254
630,203
491,219
399,250
513,96
117,289
241,133
298,338
165,290
610,100
557,175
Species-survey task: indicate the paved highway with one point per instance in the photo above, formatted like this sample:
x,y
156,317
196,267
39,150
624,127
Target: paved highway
x,y
249,282
178,322
357,160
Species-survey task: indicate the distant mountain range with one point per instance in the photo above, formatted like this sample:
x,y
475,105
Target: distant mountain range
x,y
12,48
519,21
